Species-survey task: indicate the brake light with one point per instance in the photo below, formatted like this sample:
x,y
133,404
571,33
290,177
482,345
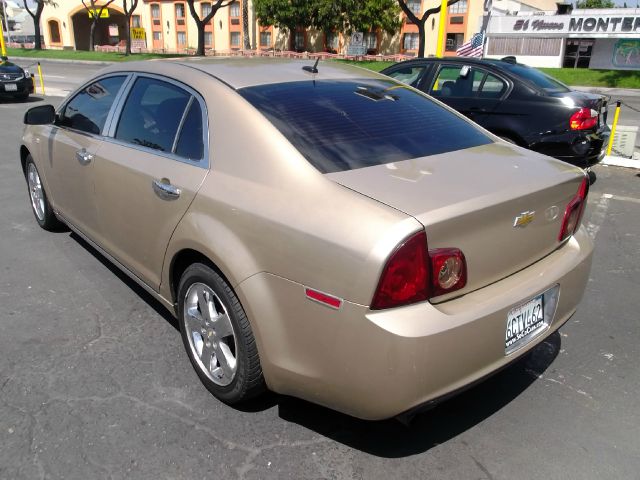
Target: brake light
x,y
573,212
415,274
584,119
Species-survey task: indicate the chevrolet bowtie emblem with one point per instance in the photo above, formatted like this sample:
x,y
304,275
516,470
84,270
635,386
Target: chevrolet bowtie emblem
x,y
524,219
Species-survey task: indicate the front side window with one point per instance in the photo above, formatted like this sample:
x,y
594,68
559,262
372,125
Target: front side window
x,y
152,114
409,75
343,125
88,110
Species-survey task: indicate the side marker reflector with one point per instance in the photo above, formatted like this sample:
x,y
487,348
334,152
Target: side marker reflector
x,y
323,298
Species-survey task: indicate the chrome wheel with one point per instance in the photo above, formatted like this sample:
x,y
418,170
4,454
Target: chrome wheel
x,y
210,333
35,192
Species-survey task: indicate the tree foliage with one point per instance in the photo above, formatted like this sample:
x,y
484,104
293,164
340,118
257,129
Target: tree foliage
x,y
344,16
595,4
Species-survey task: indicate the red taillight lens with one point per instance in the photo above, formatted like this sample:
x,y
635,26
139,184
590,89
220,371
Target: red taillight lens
x,y
449,269
573,212
414,274
405,278
584,119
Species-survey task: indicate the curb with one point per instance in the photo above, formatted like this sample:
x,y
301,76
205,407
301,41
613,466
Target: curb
x,y
621,162
65,60
628,92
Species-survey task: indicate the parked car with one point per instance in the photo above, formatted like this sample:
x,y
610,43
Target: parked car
x,y
518,103
310,235
14,81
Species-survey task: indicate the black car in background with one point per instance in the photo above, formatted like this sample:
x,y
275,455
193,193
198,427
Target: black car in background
x,y
14,81
516,102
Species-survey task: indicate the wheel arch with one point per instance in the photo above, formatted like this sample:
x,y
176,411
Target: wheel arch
x,y
24,153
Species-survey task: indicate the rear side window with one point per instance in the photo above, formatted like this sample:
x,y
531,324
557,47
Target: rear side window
x,y
88,110
152,114
190,144
344,125
410,75
538,78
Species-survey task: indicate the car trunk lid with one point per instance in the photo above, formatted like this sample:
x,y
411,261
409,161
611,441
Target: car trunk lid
x,y
577,99
501,205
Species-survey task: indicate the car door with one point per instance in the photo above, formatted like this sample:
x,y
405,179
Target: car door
x,y
149,170
69,148
471,90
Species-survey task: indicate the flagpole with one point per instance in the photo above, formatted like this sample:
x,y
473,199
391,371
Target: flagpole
x,y
441,29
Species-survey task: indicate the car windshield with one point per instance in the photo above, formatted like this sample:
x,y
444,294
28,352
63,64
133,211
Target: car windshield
x,y
344,125
538,78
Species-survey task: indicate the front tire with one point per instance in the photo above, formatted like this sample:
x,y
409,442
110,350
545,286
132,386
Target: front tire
x,y
217,336
39,202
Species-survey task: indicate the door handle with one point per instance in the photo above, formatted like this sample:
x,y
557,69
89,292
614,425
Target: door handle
x,y
84,157
165,190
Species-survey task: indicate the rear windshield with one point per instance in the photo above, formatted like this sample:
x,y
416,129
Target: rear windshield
x,y
538,78
344,125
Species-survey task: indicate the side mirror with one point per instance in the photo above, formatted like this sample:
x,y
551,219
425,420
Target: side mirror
x,y
40,115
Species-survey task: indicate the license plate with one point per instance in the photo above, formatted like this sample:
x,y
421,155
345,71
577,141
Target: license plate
x,y
10,87
524,323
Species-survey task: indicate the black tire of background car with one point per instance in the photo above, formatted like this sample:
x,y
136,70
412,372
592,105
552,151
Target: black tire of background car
x,y
248,382
50,222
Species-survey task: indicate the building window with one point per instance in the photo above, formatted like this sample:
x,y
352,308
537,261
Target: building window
x,y
332,40
459,7
298,41
265,39
410,41
234,9
235,39
179,10
206,9
416,7
155,13
208,39
157,36
454,40
371,40
135,21
182,39
458,20
54,31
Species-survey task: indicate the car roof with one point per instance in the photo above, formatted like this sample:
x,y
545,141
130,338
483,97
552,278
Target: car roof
x,y
246,72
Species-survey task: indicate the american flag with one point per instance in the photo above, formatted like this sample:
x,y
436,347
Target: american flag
x,y
473,48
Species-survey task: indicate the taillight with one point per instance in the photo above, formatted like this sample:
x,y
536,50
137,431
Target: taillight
x,y
584,119
573,212
414,274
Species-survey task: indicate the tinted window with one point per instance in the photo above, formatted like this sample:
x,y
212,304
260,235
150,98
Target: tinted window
x,y
88,110
342,125
492,87
409,75
190,143
152,114
538,78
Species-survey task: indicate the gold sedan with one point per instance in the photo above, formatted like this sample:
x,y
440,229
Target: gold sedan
x,y
325,232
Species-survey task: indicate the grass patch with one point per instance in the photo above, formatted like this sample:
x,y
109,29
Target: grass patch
x,y
596,78
84,55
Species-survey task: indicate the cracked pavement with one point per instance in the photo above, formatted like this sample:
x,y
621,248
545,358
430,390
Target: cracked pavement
x,y
94,382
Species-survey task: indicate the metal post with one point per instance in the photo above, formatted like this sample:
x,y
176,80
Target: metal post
x,y
41,79
441,29
6,22
3,48
613,127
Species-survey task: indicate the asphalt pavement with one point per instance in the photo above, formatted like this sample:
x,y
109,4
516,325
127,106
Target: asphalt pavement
x,y
94,382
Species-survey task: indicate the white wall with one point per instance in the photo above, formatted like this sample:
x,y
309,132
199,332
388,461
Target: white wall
x,y
535,61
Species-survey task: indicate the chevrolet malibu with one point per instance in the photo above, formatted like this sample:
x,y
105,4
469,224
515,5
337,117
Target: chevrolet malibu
x,y
321,231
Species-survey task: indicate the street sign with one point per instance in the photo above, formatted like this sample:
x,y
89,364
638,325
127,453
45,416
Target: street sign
x,y
356,44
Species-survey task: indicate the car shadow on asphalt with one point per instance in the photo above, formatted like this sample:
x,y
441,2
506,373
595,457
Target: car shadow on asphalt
x,y
31,99
392,438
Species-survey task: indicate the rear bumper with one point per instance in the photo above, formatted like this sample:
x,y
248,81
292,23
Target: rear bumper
x,y
578,148
378,364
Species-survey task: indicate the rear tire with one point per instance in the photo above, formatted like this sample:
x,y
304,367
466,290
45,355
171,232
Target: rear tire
x,y
39,201
217,336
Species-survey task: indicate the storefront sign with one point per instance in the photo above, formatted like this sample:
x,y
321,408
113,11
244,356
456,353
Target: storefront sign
x,y
598,25
104,13
137,34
